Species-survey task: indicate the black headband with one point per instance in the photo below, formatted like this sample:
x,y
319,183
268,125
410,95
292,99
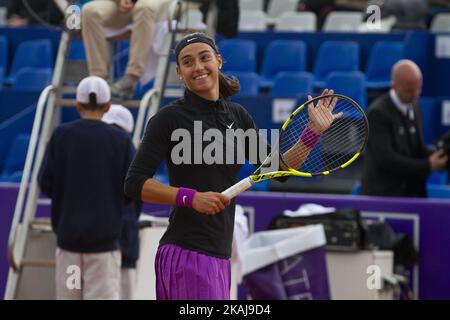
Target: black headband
x,y
194,38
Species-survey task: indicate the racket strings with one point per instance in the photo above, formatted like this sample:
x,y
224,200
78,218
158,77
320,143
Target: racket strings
x,y
333,138
336,145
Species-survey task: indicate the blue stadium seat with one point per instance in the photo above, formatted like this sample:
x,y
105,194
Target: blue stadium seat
x,y
238,55
438,191
431,118
14,177
2,78
282,55
141,89
3,53
3,59
32,79
438,178
249,82
31,54
120,58
350,84
15,159
161,174
335,56
356,190
382,57
76,50
292,84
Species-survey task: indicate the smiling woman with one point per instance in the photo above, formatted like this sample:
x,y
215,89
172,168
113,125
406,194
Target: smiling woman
x,y
193,256
192,261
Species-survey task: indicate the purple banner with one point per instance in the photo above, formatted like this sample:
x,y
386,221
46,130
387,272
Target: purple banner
x,y
299,277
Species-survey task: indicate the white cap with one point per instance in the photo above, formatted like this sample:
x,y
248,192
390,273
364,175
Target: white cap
x,y
120,116
95,85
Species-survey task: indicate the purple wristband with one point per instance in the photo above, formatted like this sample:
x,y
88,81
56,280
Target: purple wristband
x,y
185,196
309,138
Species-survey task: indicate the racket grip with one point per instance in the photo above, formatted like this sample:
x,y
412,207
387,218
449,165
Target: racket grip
x,y
239,187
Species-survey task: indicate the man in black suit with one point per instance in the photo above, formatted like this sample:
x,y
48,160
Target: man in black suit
x,y
397,162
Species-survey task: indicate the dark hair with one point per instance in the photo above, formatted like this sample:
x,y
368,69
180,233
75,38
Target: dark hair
x,y
93,105
227,86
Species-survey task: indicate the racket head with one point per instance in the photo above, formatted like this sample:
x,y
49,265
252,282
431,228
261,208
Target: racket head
x,y
338,146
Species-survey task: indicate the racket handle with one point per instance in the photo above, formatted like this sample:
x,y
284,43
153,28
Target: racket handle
x,y
239,187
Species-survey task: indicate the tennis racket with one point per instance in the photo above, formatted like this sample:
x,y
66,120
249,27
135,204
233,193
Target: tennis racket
x,y
321,136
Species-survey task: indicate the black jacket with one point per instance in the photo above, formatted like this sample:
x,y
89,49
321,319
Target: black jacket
x,y
188,228
396,160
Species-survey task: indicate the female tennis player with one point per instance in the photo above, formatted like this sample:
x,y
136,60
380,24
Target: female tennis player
x,y
192,260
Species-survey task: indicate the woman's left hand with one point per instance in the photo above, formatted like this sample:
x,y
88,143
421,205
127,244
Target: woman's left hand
x,y
321,116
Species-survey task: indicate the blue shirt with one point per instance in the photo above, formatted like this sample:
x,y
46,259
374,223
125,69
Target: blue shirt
x,y
83,173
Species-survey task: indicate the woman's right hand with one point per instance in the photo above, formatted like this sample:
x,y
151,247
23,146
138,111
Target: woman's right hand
x,y
210,203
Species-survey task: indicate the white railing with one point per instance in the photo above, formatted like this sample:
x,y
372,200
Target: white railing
x,y
28,169
146,111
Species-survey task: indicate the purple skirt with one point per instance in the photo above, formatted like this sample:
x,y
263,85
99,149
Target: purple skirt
x,y
183,274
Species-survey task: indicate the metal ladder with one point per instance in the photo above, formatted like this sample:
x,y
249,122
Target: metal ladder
x,y
31,243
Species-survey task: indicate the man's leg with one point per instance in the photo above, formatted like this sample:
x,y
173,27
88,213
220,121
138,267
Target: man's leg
x,y
101,275
95,15
68,275
145,14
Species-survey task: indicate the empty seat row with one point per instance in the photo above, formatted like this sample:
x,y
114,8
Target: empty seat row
x,y
306,21
291,55
284,21
287,18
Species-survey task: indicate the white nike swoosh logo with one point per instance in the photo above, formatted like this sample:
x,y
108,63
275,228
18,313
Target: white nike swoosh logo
x,y
184,199
189,40
230,125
